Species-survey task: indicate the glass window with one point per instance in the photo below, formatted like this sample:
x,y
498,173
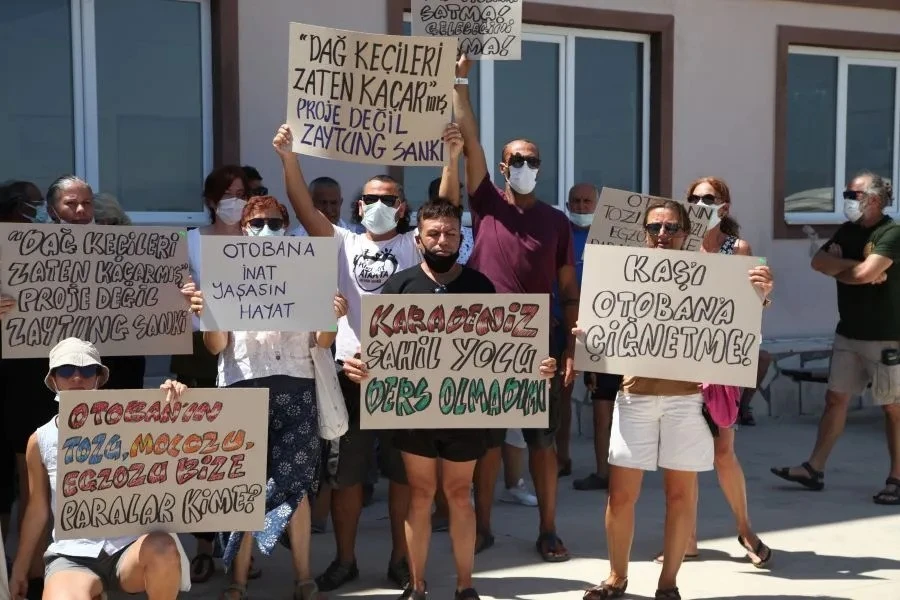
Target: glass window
x,y
608,132
37,127
870,120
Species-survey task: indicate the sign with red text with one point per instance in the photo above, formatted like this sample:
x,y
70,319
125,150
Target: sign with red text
x,y
487,29
114,286
669,314
129,463
619,220
369,98
454,361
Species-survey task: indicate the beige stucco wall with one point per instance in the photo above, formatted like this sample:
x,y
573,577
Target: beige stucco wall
x,y
724,111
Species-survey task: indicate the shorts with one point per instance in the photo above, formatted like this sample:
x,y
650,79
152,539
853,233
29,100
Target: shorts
x,y
606,386
106,566
26,402
856,363
455,445
350,463
535,438
668,432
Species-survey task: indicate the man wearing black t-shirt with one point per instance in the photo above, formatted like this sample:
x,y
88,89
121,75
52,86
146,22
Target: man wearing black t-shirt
x,y
439,241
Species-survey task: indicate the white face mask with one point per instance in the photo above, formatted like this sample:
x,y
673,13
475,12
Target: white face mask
x,y
230,210
379,218
522,179
264,232
581,220
714,219
852,210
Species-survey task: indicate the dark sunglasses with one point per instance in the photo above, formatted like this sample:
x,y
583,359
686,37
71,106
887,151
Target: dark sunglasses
x,y
705,198
260,191
655,228
851,195
275,224
517,160
68,371
386,199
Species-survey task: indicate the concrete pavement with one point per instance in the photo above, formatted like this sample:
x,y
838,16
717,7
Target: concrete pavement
x,y
834,545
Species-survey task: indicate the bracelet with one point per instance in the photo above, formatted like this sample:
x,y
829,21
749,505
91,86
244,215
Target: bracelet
x,y
462,81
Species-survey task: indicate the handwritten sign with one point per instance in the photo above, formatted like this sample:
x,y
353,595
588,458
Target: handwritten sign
x,y
486,28
618,220
454,361
129,463
114,286
268,283
669,314
367,98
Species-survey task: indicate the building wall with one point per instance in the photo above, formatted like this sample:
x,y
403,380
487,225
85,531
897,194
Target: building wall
x,y
725,53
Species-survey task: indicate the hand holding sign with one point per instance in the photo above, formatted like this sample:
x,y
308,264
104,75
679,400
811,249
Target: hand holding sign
x,y
283,141
761,278
173,390
453,139
7,303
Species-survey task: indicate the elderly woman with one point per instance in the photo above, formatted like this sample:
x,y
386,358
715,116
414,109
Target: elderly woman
x,y
658,423
281,362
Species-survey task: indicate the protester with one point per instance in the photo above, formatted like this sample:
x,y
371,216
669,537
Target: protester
x,y
328,199
468,238
658,423
723,238
108,211
523,246
365,262
83,569
864,257
282,363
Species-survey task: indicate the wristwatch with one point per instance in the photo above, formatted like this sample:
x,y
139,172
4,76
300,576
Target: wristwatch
x,y
462,81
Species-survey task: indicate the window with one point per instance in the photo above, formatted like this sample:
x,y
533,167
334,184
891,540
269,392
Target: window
x,y
111,102
561,95
843,116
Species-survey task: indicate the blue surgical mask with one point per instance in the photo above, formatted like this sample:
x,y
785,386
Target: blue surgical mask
x,y
41,215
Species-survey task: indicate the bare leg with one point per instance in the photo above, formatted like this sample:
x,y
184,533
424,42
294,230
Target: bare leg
x,y
72,585
603,411
346,507
486,471
542,462
421,472
513,465
299,532
321,506
564,432
152,565
624,489
398,508
456,478
831,426
892,431
681,516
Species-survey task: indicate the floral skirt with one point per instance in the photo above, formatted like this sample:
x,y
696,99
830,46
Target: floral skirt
x,y
293,457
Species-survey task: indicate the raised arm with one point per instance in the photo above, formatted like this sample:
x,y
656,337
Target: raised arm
x,y
453,141
215,341
315,223
476,164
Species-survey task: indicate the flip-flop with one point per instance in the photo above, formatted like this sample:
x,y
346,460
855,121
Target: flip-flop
x,y
658,559
552,542
886,497
814,481
757,552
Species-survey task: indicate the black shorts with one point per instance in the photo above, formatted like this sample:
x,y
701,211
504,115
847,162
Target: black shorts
x,y
455,445
606,386
351,462
536,438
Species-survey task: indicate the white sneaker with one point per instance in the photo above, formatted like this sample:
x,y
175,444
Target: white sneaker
x,y
519,495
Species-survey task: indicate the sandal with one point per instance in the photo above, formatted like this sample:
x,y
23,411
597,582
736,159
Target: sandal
x,y
483,541
606,590
202,568
669,594
658,559
551,548
466,594
238,588
411,593
758,552
887,496
591,482
306,590
336,575
814,481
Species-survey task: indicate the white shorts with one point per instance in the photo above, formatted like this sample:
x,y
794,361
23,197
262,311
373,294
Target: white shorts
x,y
660,431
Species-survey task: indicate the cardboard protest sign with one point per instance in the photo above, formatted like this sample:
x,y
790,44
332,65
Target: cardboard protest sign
x,y
128,463
454,361
618,220
268,283
669,314
114,286
487,29
368,98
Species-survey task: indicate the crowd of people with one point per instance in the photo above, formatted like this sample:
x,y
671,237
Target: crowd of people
x,y
438,479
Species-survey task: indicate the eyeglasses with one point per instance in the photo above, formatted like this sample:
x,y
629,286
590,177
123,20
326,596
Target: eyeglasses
x,y
851,195
517,160
705,198
656,228
260,191
68,371
275,224
386,199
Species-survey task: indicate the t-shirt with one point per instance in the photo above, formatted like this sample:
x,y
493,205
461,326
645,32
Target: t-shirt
x,y
520,251
363,268
869,312
415,281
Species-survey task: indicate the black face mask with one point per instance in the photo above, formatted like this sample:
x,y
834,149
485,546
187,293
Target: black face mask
x,y
438,262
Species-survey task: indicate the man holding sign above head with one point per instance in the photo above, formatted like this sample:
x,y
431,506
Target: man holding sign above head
x,y
523,246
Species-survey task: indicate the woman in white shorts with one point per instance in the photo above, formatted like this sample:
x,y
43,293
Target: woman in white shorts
x,y
656,423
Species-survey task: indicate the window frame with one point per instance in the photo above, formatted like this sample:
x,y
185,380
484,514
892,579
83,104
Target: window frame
x,y
85,113
845,60
565,37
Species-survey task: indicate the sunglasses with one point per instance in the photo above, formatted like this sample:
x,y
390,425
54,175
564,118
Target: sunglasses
x,y
260,191
85,372
517,160
275,223
386,199
705,198
851,195
656,228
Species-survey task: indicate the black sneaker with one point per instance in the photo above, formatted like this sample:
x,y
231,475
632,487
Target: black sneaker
x,y
591,482
410,593
398,574
336,575
467,594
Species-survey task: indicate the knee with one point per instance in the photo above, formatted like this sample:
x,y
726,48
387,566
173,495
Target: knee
x,y
834,400
621,499
892,412
724,456
421,493
159,550
680,497
457,493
